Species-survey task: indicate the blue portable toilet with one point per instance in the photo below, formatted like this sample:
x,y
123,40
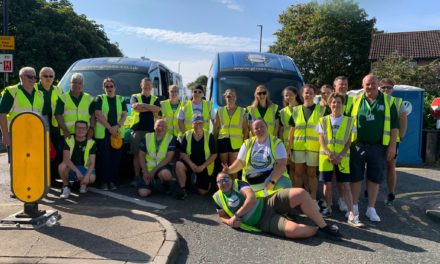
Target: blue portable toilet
x,y
410,149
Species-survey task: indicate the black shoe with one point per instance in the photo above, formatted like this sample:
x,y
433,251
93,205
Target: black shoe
x,y
112,186
182,195
390,199
12,196
330,232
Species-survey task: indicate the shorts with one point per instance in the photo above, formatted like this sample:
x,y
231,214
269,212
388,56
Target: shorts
x,y
341,177
135,139
310,158
141,184
203,179
224,146
272,219
72,174
374,156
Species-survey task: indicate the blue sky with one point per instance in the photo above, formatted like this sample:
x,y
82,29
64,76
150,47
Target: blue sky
x,y
189,32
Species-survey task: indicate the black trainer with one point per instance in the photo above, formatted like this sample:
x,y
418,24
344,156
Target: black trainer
x,y
330,232
390,199
182,194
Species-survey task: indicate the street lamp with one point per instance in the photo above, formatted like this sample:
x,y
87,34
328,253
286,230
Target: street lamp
x,y
261,34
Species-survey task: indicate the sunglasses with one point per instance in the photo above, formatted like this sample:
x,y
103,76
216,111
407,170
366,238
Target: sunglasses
x,y
109,86
224,180
261,93
174,92
197,92
229,96
48,76
387,87
32,77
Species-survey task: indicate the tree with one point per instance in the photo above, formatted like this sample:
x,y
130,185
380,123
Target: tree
x,y
201,80
326,40
52,34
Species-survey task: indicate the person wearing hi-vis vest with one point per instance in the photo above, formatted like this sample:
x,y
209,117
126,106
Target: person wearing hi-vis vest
x,y
198,153
334,154
145,109
197,105
110,112
230,128
386,86
238,207
305,140
263,159
73,106
79,157
377,125
262,107
156,150
170,109
290,100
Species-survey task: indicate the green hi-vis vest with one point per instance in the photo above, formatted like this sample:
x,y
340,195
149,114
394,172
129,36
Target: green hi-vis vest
x,y
335,143
170,116
347,106
220,200
154,154
305,136
57,92
249,143
398,102
188,134
269,116
133,119
285,115
71,143
73,113
22,104
206,114
100,129
231,127
387,120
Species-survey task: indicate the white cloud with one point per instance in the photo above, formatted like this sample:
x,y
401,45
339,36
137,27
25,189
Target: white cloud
x,y
189,69
200,41
231,4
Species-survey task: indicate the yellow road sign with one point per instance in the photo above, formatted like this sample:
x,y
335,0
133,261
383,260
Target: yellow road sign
x,y
7,42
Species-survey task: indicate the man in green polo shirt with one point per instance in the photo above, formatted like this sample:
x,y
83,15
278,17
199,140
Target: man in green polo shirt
x,y
377,123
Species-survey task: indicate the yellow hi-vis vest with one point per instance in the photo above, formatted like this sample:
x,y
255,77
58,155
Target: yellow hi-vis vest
x,y
154,155
100,129
134,117
189,136
305,136
398,102
387,120
285,115
219,199
71,143
170,117
206,114
335,143
73,113
22,104
57,92
347,106
249,143
269,116
231,127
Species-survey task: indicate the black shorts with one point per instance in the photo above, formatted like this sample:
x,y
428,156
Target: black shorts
x,y
141,184
341,177
224,146
202,179
372,155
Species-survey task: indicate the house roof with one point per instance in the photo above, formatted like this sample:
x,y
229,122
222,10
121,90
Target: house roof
x,y
412,45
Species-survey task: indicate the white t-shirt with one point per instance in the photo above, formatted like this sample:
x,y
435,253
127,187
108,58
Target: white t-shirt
x,y
261,156
336,123
197,109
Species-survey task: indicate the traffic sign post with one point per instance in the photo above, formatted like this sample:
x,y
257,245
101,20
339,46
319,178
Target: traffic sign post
x,y
7,43
6,63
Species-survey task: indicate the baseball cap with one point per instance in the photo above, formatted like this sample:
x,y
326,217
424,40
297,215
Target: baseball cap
x,y
197,118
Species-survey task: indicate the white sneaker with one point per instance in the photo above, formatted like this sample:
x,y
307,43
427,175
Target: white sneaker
x,y
83,188
354,221
342,205
66,192
372,215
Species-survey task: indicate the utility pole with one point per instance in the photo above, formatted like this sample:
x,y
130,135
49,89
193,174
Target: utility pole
x,y
261,34
5,33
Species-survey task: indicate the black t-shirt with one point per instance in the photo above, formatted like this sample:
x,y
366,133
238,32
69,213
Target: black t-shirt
x,y
146,119
112,117
198,149
307,110
77,156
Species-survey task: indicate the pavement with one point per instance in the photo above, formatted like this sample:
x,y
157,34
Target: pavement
x,y
96,227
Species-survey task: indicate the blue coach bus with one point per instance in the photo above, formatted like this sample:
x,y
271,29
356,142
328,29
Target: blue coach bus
x,y
244,71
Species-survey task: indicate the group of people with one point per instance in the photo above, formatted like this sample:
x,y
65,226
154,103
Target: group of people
x,y
270,158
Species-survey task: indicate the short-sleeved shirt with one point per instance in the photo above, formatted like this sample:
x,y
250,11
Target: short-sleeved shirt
x,y
171,146
59,108
146,119
7,101
370,120
112,117
307,110
261,159
197,109
77,156
336,123
198,149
